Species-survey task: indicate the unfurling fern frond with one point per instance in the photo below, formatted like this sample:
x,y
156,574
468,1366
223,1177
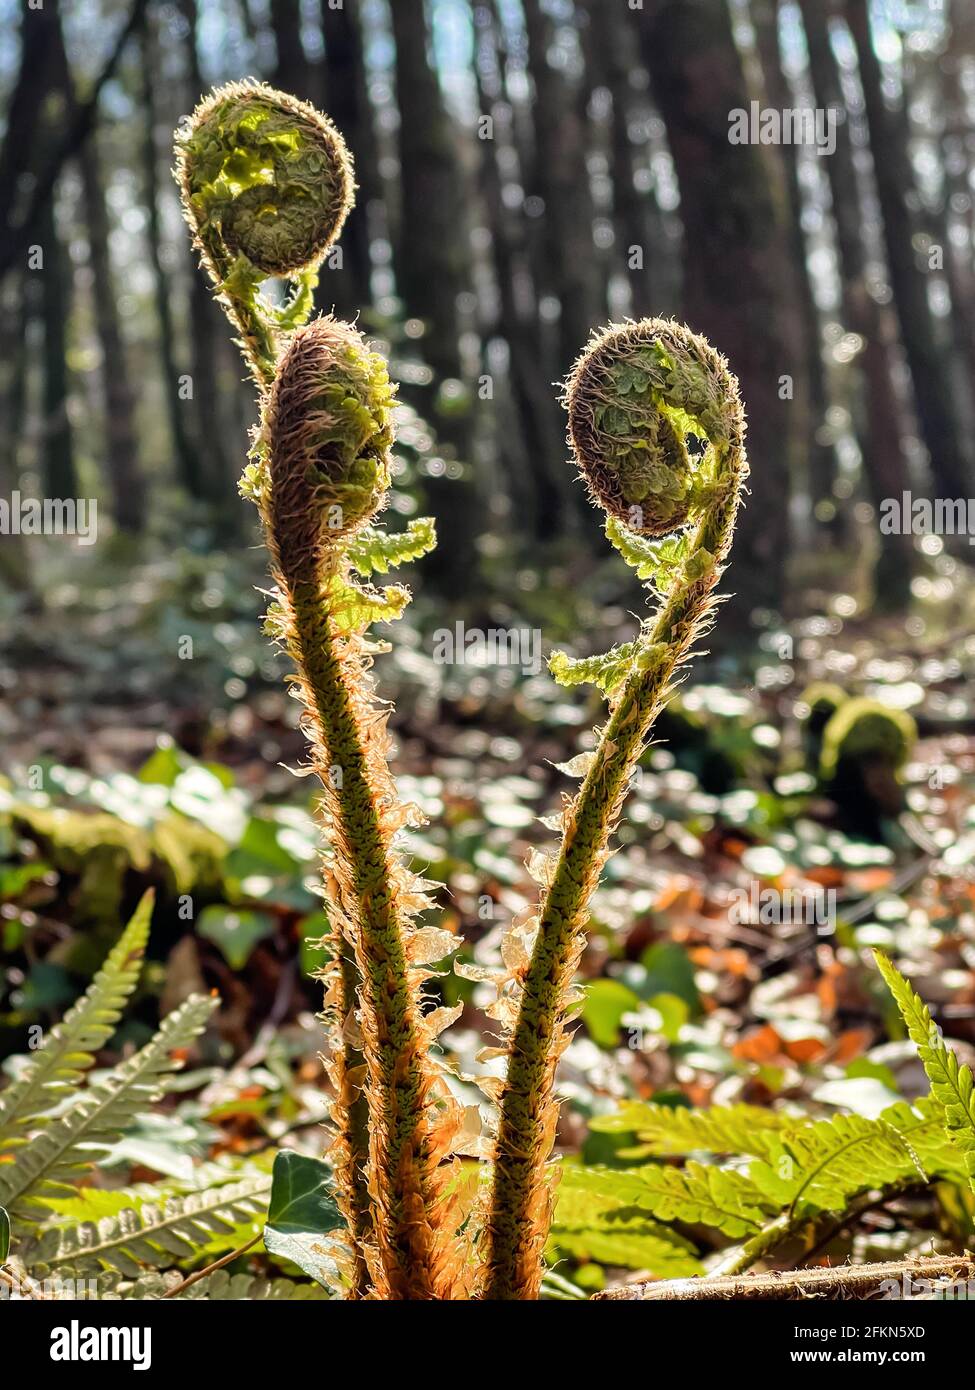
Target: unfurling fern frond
x,y
78,1136
67,1051
951,1082
374,551
158,1231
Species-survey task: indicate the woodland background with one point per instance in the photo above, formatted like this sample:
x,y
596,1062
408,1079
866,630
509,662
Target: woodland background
x,y
147,735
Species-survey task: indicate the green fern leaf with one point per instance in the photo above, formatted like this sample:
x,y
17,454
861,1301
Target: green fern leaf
x,y
158,1233
606,671
951,1082
373,550
591,1224
354,607
696,1194
821,1166
83,1132
66,1052
724,1129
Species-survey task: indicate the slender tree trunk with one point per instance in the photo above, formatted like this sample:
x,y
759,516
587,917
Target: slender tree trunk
x,y
951,464
568,267
16,309
536,489
822,457
206,323
880,421
187,459
432,263
292,71
58,468
739,287
345,97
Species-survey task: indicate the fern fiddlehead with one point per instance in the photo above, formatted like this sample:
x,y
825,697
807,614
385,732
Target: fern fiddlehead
x,y
266,184
635,398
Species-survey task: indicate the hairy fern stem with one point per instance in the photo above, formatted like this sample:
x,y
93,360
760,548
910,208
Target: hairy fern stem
x,y
681,384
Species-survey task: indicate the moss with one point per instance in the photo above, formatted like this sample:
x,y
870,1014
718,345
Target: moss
x,y
864,730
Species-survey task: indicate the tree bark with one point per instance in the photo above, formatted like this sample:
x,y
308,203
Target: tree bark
x,y
951,463
739,285
879,421
187,459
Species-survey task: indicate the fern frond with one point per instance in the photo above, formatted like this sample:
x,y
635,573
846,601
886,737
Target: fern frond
x,y
157,1234
696,1194
590,1223
67,1051
354,607
82,1133
821,1166
606,670
724,1129
374,550
951,1082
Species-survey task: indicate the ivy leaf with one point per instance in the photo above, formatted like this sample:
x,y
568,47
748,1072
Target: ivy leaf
x,y
302,1215
4,1235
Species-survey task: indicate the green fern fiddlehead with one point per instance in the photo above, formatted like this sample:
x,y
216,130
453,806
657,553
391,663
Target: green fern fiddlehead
x,y
266,185
635,398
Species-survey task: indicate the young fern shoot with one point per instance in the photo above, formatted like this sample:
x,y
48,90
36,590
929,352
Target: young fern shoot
x,y
635,397
267,183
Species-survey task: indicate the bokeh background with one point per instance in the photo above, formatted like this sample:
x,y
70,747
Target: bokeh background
x,y
527,170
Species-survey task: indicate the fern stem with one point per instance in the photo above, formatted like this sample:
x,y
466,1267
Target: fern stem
x,y
402,1163
519,1213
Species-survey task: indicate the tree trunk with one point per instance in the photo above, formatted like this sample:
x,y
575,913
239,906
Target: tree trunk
x,y
567,266
927,357
206,323
432,262
60,478
880,421
187,459
822,456
739,287
292,71
345,97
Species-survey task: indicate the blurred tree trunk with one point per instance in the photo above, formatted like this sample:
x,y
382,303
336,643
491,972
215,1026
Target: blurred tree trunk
x,y
345,96
568,268
926,353
739,285
60,478
292,71
206,323
880,423
432,257
822,456
118,402
17,310
187,460
121,461
637,219
958,144
537,478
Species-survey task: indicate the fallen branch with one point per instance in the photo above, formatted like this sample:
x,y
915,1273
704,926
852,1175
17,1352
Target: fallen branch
x,y
843,1282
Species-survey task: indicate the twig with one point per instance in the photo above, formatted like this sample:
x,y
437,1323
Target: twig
x,y
844,1282
210,1269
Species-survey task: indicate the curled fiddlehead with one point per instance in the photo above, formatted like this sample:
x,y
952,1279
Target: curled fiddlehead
x,y
637,397
266,184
